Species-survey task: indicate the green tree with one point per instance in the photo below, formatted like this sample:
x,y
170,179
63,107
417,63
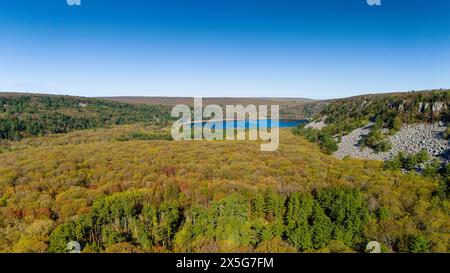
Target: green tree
x,y
322,227
419,244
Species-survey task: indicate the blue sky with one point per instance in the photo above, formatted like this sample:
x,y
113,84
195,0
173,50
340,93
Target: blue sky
x,y
217,48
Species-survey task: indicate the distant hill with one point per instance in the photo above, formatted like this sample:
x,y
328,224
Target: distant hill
x,y
25,115
172,101
292,108
382,116
390,110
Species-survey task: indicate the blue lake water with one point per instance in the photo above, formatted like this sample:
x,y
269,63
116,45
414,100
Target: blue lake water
x,y
252,124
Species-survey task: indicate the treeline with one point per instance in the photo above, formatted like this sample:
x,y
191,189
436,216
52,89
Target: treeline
x,y
330,219
24,116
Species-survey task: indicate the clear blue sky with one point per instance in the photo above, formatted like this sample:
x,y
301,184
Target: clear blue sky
x,y
264,48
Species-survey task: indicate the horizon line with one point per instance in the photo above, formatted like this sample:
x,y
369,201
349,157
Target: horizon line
x,y
225,97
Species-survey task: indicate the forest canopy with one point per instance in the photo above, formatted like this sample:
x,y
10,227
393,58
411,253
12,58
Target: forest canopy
x,y
170,196
129,188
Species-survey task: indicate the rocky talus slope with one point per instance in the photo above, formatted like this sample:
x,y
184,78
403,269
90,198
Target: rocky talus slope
x,y
410,139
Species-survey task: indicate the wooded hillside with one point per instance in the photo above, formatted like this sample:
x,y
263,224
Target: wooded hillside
x,y
26,115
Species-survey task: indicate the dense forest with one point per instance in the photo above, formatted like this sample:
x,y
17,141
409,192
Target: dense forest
x,y
133,220
209,196
24,116
130,188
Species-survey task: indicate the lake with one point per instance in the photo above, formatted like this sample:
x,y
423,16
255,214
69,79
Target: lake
x,y
252,124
